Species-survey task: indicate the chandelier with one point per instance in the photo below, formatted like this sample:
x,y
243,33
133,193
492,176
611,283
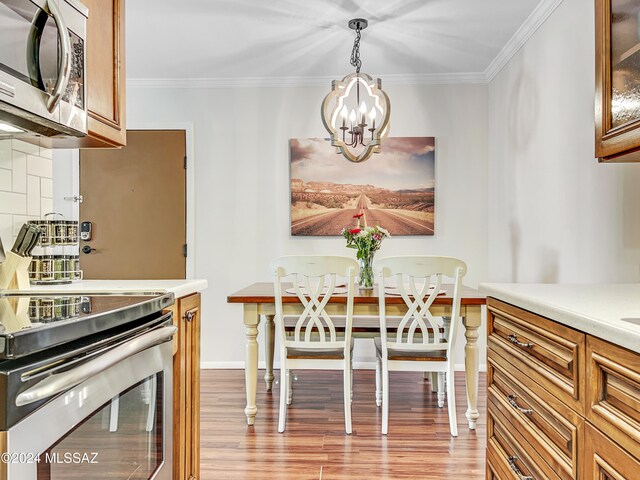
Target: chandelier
x,y
356,111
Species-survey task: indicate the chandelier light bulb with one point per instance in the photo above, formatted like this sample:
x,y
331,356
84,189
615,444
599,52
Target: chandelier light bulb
x,y
363,107
372,117
352,116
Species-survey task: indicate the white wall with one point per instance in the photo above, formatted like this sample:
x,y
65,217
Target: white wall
x,y
242,184
66,185
555,214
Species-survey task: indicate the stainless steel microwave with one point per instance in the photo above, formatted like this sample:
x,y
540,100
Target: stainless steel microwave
x,y
42,68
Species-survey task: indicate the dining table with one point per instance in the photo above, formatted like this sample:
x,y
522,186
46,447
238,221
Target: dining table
x,y
258,300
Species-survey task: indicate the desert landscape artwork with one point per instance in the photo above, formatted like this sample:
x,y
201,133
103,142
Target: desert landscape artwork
x,y
394,189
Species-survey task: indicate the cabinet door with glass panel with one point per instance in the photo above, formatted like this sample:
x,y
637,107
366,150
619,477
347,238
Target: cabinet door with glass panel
x,y
617,106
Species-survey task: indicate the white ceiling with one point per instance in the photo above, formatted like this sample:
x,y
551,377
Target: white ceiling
x,y
310,38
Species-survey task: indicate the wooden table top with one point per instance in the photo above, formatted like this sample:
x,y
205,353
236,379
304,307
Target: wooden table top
x,y
262,292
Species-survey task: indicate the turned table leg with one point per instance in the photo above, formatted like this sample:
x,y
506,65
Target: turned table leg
x,y
471,321
269,330
251,321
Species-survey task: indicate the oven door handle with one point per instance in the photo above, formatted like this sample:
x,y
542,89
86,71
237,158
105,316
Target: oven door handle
x,y
60,382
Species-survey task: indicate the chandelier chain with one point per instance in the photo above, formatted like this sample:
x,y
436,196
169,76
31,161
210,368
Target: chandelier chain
x,y
355,53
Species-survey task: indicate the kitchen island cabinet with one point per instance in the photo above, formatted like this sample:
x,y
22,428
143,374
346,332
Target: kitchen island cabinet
x,y
563,381
186,389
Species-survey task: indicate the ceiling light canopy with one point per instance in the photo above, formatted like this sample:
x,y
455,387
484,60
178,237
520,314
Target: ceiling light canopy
x,y
356,111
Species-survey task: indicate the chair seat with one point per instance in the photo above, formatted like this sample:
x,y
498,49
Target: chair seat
x,y
317,353
430,356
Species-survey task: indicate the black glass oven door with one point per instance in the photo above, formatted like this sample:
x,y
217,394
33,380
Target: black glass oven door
x,y
120,440
117,424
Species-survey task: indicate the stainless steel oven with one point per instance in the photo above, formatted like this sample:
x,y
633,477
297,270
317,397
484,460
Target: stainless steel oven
x,y
99,406
42,68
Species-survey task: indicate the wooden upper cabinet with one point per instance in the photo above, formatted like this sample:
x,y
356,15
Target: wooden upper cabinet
x,y
617,99
105,77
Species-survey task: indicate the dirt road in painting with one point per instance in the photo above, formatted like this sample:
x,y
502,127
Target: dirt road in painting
x,y
331,223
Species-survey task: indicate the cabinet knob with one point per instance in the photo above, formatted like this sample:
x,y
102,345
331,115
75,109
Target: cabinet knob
x,y
189,316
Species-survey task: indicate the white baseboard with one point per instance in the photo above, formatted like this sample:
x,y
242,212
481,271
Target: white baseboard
x,y
226,365
371,365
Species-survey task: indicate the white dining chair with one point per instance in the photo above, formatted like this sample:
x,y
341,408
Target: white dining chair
x,y
311,340
417,341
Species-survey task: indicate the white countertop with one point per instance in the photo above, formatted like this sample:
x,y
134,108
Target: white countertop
x,y
593,309
180,288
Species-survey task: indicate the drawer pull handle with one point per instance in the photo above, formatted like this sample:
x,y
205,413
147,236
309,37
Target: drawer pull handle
x,y
512,463
514,404
513,338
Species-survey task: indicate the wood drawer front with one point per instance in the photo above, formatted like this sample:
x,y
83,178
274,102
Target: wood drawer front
x,y
507,455
604,460
495,473
548,353
613,396
551,428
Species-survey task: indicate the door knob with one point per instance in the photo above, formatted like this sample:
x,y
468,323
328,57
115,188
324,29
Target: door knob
x,y
88,249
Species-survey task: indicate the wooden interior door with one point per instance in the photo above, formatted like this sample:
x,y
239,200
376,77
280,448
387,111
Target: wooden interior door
x,y
135,199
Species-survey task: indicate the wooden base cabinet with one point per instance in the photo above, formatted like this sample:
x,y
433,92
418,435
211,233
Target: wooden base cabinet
x,y
613,396
186,389
605,460
561,404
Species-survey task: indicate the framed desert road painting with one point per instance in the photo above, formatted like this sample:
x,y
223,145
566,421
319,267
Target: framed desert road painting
x,y
394,189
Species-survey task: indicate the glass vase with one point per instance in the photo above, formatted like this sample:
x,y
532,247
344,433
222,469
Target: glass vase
x,y
365,281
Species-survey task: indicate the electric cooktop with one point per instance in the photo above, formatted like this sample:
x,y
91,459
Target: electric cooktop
x,y
31,322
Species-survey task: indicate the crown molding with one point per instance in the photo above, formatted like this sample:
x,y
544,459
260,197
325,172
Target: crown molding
x,y
227,82
534,21
433,78
324,81
544,9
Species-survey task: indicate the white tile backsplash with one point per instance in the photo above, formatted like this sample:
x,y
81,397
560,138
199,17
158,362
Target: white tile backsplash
x,y
5,180
25,147
19,220
46,206
40,166
33,195
46,187
26,186
5,154
6,230
46,152
19,172
14,203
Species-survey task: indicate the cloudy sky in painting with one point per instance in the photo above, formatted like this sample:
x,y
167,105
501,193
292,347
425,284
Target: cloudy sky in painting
x,y
404,163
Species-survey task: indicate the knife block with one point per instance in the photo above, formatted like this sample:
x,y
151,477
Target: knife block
x,y
15,314
14,272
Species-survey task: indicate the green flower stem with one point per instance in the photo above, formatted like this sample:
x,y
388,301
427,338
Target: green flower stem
x,y
366,270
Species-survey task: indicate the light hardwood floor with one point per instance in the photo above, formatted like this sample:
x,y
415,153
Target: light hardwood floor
x,y
418,446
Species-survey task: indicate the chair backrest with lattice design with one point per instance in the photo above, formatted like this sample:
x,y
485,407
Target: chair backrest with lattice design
x,y
418,280
314,279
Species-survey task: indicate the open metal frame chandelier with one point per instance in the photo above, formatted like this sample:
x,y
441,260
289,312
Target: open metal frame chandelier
x,y
356,111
